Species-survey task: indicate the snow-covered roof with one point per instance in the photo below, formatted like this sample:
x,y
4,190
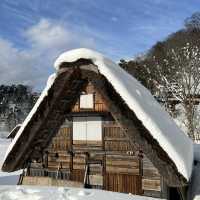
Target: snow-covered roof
x,y
158,122
140,100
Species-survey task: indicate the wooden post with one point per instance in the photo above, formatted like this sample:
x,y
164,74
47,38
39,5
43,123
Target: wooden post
x,y
104,157
71,153
86,176
28,168
140,157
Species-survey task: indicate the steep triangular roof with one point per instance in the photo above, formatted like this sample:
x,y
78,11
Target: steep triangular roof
x,y
130,103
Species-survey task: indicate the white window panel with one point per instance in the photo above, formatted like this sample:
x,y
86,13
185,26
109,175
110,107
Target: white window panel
x,y
94,128
87,101
87,128
79,128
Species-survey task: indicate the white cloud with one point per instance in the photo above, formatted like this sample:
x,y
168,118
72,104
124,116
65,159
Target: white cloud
x,y
114,19
47,40
15,65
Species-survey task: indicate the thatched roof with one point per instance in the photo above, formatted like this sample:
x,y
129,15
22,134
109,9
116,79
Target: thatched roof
x,y
143,121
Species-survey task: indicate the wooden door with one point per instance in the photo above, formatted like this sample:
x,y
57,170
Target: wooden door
x,y
125,183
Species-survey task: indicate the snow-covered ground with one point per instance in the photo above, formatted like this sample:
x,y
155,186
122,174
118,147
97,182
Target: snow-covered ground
x,y
4,134
62,193
7,178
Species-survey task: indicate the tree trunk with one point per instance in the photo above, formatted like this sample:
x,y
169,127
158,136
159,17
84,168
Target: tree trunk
x,y
189,113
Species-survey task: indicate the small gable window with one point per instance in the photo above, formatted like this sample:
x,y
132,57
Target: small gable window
x,y
87,101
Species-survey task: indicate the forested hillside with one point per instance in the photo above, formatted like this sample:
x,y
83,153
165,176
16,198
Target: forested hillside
x,y
171,71
15,103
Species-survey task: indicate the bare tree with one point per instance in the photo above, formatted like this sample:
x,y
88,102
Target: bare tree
x,y
184,81
193,22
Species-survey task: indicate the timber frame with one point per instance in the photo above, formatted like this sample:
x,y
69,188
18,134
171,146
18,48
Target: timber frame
x,y
46,121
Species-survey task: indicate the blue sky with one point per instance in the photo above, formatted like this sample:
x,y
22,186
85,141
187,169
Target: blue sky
x,y
33,33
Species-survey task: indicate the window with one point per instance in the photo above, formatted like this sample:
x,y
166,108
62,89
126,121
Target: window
x,y
87,128
87,101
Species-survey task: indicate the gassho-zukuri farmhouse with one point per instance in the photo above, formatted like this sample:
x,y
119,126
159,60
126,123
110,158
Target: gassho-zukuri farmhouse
x,y
96,126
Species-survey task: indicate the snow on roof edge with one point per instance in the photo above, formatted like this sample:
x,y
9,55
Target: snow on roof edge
x,y
139,99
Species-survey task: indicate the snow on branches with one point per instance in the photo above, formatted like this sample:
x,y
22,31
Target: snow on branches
x,y
181,79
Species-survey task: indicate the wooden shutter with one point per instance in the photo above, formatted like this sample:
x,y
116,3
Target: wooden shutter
x,y
87,128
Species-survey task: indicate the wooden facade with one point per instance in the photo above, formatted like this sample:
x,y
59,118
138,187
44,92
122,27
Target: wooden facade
x,y
109,163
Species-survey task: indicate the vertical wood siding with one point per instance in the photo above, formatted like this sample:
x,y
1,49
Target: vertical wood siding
x,y
123,183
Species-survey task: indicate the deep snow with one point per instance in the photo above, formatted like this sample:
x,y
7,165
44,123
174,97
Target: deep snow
x,y
7,178
61,193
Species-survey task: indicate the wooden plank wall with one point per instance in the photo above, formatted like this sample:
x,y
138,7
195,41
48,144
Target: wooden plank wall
x,y
47,181
123,183
59,159
151,179
77,175
118,162
114,138
115,141
122,169
58,150
62,140
122,164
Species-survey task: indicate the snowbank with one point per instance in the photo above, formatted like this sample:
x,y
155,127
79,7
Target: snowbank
x,y
61,193
4,134
7,178
154,118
